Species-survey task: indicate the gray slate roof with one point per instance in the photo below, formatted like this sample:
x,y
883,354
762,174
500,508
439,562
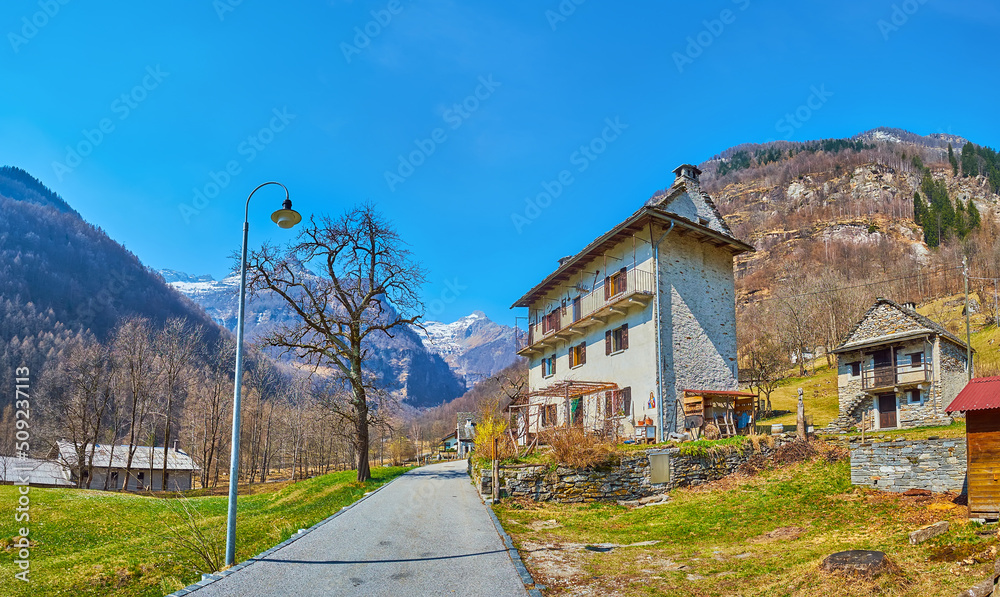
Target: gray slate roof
x,y
38,472
464,433
177,460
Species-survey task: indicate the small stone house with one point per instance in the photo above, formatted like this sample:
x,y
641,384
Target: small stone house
x,y
897,368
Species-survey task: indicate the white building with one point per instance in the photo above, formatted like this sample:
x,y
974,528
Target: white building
x,y
620,330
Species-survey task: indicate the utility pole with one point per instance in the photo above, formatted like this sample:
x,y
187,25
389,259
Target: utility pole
x,y
968,333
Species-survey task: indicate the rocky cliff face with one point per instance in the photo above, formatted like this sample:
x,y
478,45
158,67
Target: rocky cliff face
x,y
787,199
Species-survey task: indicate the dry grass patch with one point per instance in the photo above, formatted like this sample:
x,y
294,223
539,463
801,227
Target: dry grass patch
x,y
765,534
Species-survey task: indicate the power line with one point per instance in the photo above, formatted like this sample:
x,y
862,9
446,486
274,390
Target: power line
x,y
876,283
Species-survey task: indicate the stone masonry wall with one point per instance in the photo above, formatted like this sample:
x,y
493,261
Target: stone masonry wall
x,y
937,465
627,480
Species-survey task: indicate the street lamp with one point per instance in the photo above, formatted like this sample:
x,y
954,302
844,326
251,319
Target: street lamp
x,y
286,217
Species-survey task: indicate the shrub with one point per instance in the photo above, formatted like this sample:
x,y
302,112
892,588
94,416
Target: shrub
x,y
573,447
491,426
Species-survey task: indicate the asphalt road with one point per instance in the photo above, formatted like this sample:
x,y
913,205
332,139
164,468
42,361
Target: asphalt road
x,y
426,533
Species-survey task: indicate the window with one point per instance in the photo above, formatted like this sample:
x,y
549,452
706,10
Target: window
x,y
916,359
616,283
578,355
576,309
549,366
913,396
576,411
114,480
549,414
550,322
141,483
618,403
855,368
616,340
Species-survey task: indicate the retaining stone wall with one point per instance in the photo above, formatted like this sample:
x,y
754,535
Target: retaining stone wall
x,y
625,481
936,465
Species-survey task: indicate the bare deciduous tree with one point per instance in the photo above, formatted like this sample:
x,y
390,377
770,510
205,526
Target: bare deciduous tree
x,y
369,285
176,344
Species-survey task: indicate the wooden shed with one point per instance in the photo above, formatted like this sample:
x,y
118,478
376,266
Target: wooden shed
x,y
980,401
731,412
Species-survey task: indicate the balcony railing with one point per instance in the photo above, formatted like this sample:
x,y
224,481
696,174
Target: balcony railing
x,y
887,376
634,285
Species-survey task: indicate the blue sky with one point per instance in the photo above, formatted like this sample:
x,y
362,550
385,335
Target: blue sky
x,y
182,108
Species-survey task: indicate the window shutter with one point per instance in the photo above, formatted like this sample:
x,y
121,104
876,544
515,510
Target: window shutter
x,y
607,287
624,280
583,353
625,337
553,364
607,342
627,400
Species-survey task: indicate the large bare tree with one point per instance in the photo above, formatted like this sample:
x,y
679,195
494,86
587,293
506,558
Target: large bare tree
x,y
367,284
177,343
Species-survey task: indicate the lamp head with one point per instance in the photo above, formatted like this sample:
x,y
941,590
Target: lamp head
x,y
286,217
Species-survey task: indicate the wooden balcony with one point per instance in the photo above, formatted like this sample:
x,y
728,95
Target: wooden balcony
x,y
622,292
891,376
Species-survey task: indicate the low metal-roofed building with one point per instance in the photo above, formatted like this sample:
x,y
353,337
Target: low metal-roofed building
x,y
980,401
38,473
147,466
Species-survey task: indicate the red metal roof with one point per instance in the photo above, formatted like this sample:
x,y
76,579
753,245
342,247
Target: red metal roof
x,y
979,394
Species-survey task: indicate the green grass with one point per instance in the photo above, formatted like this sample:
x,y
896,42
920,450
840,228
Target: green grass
x,y
718,534
819,395
103,543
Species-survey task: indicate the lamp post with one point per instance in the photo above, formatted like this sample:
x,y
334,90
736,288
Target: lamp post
x,y
286,217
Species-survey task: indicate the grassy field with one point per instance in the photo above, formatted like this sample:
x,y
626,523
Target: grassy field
x,y
761,535
103,543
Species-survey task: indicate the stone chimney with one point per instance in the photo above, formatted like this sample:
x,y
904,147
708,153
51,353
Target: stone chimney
x,y
563,260
687,172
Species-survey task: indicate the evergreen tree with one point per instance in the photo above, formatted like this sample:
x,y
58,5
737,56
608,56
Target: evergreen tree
x,y
918,163
919,208
974,217
970,161
961,221
952,160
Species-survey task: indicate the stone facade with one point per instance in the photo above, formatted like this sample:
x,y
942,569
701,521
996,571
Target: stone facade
x,y
698,329
627,480
936,465
922,391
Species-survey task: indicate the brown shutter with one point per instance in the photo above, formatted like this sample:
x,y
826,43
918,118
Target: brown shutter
x,y
554,364
583,353
624,281
607,287
627,400
625,337
607,342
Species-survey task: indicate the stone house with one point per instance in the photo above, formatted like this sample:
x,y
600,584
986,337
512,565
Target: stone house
x,y
620,330
897,368
147,467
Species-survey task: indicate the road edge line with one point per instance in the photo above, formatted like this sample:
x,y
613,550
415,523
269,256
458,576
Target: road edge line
x,y
208,579
515,556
